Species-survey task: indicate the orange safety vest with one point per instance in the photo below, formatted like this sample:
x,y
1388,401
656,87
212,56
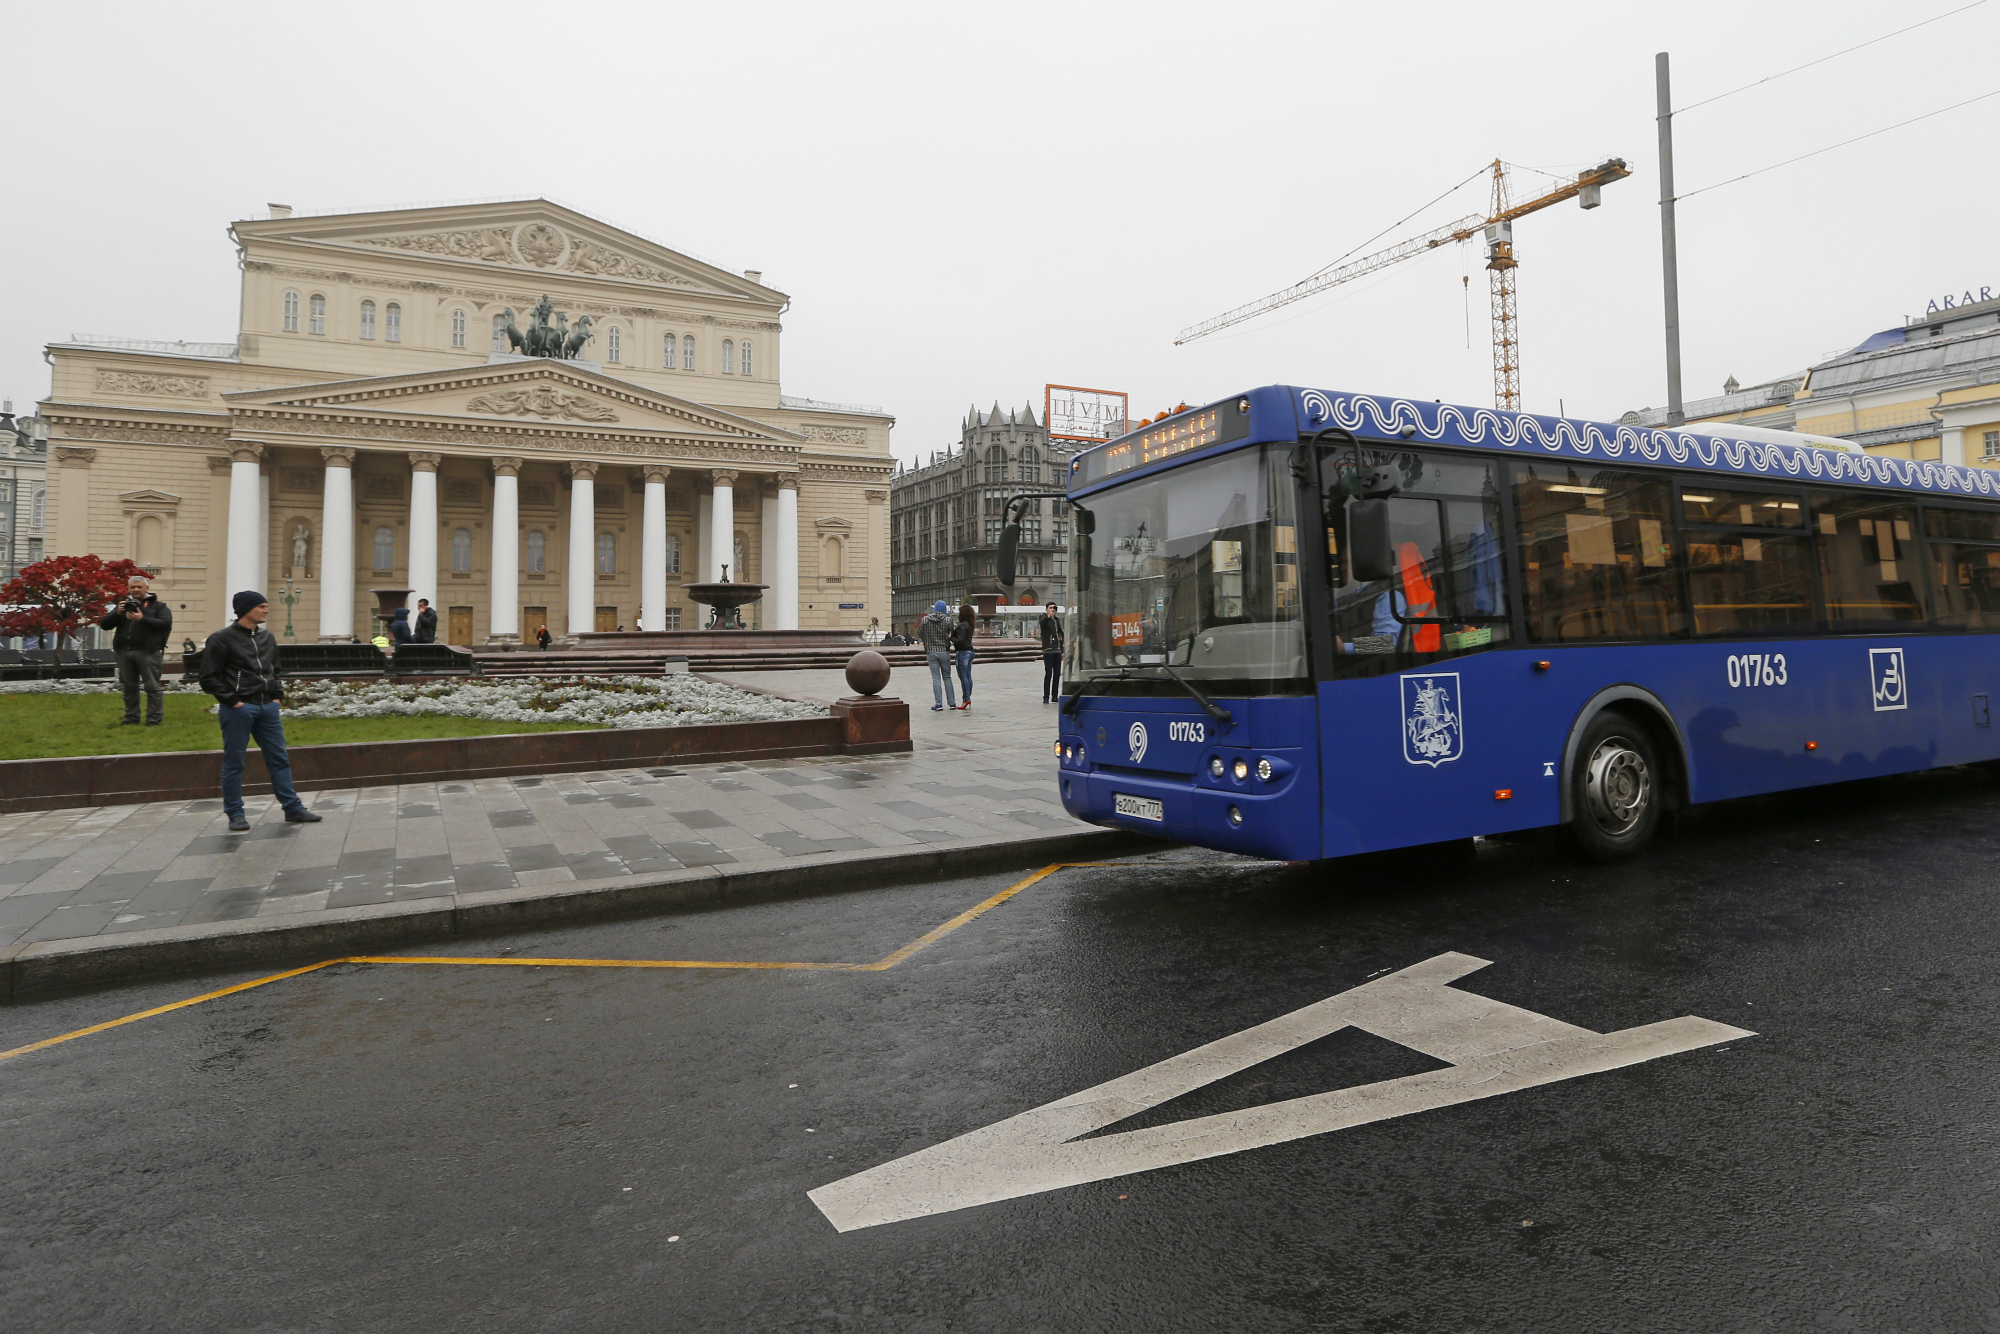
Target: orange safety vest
x,y
1419,599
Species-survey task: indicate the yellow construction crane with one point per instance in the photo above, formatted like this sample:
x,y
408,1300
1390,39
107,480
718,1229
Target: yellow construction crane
x,y
1498,227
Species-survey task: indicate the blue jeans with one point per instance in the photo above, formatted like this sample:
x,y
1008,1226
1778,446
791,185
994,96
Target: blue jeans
x,y
238,726
940,665
964,657
1051,678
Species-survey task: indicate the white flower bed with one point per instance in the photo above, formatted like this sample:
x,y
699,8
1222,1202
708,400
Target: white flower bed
x,y
608,701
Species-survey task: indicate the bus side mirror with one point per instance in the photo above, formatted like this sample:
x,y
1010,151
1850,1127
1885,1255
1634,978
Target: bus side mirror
x,y
1010,538
1081,575
1086,521
1368,544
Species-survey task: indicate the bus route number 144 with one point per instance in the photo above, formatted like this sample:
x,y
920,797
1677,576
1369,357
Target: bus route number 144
x,y
1756,669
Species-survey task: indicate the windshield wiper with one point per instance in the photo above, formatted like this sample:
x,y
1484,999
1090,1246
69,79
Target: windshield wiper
x,y
1209,706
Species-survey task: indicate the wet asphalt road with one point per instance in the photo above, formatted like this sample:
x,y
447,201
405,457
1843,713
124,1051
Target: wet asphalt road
x,y
401,1147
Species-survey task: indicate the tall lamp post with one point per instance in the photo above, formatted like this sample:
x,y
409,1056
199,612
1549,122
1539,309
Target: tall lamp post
x,y
290,597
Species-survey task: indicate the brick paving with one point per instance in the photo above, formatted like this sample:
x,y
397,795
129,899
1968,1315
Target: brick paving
x,y
977,777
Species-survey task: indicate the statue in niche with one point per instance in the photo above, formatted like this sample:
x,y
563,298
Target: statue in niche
x,y
301,540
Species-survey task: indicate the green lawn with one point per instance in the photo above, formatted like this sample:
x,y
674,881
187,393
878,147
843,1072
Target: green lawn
x,y
34,727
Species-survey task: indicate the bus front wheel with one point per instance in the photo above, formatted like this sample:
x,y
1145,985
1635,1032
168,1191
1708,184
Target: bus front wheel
x,y
1615,793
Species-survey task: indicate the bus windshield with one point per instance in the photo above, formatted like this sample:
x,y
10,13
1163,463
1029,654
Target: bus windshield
x,y
1194,572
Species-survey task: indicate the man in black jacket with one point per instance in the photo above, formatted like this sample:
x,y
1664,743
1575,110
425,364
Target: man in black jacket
x,y
239,666
140,625
1050,626
427,623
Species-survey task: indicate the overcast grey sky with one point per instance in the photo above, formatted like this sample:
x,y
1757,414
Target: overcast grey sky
x,y
968,201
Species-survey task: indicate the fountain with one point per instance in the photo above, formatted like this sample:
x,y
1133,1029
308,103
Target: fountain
x,y
725,600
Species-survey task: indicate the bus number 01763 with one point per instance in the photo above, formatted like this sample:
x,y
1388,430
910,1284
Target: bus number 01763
x,y
1757,669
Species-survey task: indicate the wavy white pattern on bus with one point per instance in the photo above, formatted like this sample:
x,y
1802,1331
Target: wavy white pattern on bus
x,y
1447,423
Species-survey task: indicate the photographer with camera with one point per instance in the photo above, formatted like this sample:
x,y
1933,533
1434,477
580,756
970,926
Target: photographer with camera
x,y
140,625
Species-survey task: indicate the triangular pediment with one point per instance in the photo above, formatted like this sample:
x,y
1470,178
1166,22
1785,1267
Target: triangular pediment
x,y
529,392
530,236
150,496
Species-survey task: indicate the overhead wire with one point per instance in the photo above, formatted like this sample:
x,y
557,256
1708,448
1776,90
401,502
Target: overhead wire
x,y
1842,144
1394,225
1823,59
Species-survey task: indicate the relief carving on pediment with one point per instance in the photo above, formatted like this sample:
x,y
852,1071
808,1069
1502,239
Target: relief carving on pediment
x,y
171,386
595,259
544,401
486,243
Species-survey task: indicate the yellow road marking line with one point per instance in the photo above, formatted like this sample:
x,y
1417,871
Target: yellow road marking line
x,y
888,961
162,1009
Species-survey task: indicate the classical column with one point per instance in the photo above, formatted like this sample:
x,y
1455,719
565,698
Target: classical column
x,y
243,564
722,523
423,531
653,552
767,552
582,544
704,545
784,579
504,617
336,546
264,530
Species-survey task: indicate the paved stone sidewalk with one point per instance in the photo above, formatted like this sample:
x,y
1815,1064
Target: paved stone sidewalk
x,y
978,777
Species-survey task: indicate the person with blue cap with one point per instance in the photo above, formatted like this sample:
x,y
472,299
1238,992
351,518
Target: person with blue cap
x,y
934,632
239,666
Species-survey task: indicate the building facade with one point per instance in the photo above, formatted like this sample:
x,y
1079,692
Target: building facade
x,y
24,481
1927,390
381,424
944,517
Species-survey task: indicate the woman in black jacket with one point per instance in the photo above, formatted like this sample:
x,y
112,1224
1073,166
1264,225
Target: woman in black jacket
x,y
961,652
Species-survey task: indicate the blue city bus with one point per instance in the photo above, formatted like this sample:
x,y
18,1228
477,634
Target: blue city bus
x,y
1511,622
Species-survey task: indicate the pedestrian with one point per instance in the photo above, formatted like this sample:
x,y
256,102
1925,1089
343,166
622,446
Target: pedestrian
x,y
542,637
381,640
935,632
426,629
1050,625
399,627
140,624
961,652
239,666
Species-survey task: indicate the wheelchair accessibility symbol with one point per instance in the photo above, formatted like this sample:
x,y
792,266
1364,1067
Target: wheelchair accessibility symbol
x,y
1888,679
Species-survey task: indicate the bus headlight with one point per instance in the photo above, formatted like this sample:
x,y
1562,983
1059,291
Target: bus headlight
x,y
1236,816
1215,765
1264,769
1242,770
1059,750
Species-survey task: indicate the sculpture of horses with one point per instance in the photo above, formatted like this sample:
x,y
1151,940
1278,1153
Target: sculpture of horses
x,y
577,338
515,338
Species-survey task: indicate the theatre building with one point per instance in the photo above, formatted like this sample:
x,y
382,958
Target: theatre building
x,y
518,412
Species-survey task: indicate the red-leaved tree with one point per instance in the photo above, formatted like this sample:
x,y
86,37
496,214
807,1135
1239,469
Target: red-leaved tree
x,y
62,595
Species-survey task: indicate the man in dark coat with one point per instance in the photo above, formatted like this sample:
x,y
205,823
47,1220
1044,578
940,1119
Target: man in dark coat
x,y
1050,625
239,666
427,623
140,626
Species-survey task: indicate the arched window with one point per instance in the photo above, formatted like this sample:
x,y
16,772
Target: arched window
x,y
458,328
996,464
673,354
291,312
316,319
607,554
499,333
393,324
461,550
385,549
673,553
831,564
746,356
148,540
728,357
614,344
538,553
368,319
1029,464
687,352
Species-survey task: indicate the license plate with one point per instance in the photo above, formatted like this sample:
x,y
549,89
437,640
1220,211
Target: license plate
x,y
1138,808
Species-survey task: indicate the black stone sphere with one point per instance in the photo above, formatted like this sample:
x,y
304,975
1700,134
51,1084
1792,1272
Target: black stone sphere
x,y
867,672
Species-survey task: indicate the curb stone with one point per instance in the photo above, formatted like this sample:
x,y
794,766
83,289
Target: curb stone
x,y
29,971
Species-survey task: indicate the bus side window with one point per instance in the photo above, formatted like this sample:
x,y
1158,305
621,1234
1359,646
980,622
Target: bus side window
x,y
1869,568
1598,560
1965,566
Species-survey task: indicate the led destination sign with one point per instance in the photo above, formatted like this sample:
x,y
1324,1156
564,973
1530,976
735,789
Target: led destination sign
x,y
1153,444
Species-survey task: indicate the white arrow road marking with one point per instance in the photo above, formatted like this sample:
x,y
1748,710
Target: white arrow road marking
x,y
1493,1048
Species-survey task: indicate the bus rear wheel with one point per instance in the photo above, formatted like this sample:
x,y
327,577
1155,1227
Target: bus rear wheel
x,y
1615,794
